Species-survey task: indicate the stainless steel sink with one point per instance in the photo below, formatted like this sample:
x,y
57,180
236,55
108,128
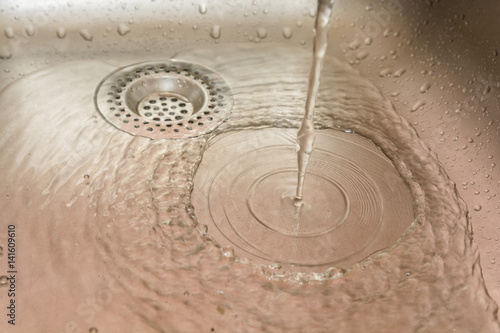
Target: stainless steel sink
x,y
437,62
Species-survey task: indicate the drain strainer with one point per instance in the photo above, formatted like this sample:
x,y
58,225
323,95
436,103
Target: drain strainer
x,y
168,99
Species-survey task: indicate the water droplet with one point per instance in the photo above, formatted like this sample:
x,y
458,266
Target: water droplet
x,y
368,40
275,266
369,7
399,72
9,32
93,330
61,32
287,32
5,52
486,90
385,72
425,87
30,30
362,55
215,31
354,45
123,29
85,34
203,229
418,105
202,8
228,252
333,272
477,208
261,32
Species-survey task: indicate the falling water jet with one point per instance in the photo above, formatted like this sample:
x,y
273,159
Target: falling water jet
x,y
305,136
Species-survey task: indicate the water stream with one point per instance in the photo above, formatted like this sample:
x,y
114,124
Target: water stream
x,y
305,136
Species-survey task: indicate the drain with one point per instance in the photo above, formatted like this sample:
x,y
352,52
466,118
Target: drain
x,y
169,99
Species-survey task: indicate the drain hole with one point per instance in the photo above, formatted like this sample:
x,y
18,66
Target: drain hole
x,y
165,98
171,103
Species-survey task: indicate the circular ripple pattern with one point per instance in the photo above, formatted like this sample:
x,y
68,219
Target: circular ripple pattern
x,y
170,99
245,185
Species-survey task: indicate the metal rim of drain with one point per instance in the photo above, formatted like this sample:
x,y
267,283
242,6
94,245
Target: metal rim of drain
x,y
168,99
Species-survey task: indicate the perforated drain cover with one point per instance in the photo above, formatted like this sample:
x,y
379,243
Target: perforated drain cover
x,y
168,99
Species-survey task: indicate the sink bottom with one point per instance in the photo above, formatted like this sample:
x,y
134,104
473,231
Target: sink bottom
x,y
110,218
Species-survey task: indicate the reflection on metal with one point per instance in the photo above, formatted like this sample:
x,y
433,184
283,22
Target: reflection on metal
x,y
168,99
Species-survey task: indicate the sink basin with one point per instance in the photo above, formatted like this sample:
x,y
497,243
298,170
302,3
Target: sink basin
x,y
98,212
